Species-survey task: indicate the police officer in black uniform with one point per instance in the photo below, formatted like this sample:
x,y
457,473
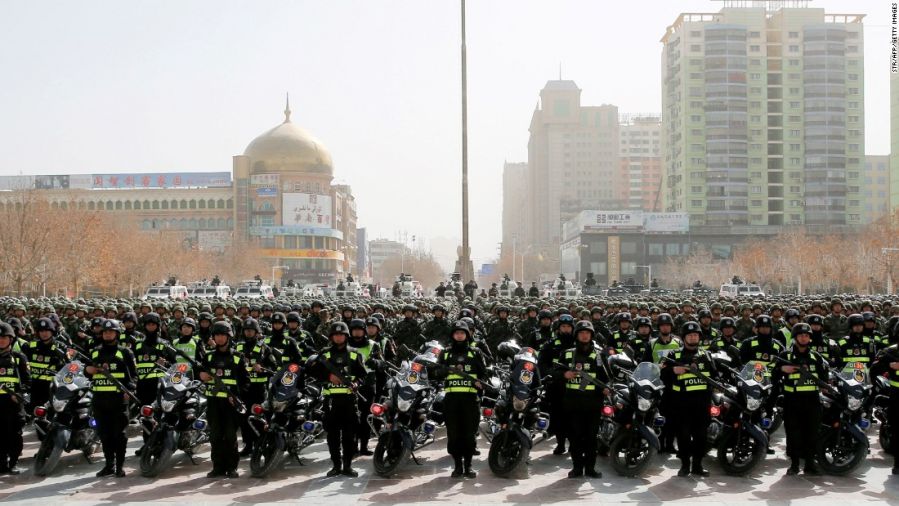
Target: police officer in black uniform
x,y
798,378
462,368
260,361
110,403
45,358
887,361
691,397
550,352
583,399
14,381
341,370
224,371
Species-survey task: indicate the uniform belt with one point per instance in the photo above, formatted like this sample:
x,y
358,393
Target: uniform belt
x,y
801,388
690,388
468,390
338,390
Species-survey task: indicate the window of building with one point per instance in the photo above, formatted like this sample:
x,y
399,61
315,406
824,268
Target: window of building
x,y
155,204
794,48
598,268
165,204
202,204
696,203
754,48
628,268
628,247
655,249
793,35
672,249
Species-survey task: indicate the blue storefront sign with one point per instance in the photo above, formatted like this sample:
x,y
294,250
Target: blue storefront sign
x,y
294,230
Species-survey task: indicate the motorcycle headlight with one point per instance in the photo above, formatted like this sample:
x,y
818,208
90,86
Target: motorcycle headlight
x,y
752,403
167,406
518,404
59,406
853,403
403,405
643,404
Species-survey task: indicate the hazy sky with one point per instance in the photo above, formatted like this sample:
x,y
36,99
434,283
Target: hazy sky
x,y
126,86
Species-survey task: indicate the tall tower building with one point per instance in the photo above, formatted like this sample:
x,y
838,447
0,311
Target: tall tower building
x,y
764,116
572,161
515,193
641,162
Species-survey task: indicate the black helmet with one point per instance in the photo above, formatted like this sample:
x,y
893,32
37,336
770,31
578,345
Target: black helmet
x,y
466,312
690,328
45,324
371,320
815,319
97,322
801,328
545,313
294,316
6,330
252,323
868,316
339,328
279,318
438,307
508,349
151,317
461,325
791,313
584,325
856,319
357,323
703,313
204,316
566,319
222,328
624,316
190,322
410,307
664,319
763,320
111,325
643,321
130,316
727,322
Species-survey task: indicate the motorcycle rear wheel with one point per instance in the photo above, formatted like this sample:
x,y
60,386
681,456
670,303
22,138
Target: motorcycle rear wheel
x,y
507,455
390,453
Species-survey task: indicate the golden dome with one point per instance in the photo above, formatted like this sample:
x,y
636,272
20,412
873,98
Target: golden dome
x,y
288,147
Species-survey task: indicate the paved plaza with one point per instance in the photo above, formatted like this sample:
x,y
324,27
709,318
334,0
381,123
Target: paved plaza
x,y
74,483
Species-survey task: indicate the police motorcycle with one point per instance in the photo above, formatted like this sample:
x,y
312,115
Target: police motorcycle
x,y
288,421
631,420
403,415
520,423
174,421
738,428
65,425
842,442
498,377
880,409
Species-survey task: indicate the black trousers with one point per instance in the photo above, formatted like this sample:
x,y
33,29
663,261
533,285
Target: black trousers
x,y
363,431
111,413
556,396
893,419
802,420
582,414
341,421
146,391
40,393
255,395
12,419
462,416
692,418
223,423
668,430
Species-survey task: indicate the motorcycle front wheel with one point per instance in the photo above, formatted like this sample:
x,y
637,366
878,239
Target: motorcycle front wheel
x,y
507,455
155,457
47,457
739,453
839,453
630,453
267,454
390,453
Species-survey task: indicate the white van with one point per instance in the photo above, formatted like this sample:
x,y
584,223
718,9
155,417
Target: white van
x,y
732,291
210,292
254,291
166,292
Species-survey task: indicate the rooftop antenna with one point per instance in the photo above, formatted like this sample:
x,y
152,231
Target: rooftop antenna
x,y
287,109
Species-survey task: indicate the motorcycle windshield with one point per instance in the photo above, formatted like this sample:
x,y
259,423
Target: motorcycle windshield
x,y
413,376
285,384
178,378
855,373
648,373
71,377
756,372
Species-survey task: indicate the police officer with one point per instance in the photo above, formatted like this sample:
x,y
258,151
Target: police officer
x,y
372,359
692,397
856,347
623,335
259,361
462,366
642,337
437,328
341,370
45,358
550,353
224,371
407,335
821,342
110,402
659,347
153,354
583,399
798,378
15,380
187,342
543,333
287,348
887,362
727,340
762,347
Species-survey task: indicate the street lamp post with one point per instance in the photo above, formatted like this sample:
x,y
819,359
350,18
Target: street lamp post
x,y
465,255
278,267
884,252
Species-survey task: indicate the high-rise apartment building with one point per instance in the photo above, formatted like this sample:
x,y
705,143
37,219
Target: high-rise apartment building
x,y
515,187
572,161
764,116
641,162
876,187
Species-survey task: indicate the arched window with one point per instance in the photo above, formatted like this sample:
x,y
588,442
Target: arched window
x,y
146,204
55,205
202,223
165,204
174,204
193,223
230,221
118,205
155,204
210,204
202,204
81,204
230,203
64,205
220,204
137,204
145,225
182,224
127,205
221,224
109,205
183,204
90,205
192,204
173,223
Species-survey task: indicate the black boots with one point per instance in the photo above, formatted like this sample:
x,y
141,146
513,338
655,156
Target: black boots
x,y
348,469
697,470
457,470
684,467
335,471
107,470
793,470
468,473
560,446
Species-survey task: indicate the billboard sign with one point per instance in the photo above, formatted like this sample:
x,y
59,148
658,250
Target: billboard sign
x,y
599,220
264,180
306,209
289,230
666,222
213,240
267,191
162,180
